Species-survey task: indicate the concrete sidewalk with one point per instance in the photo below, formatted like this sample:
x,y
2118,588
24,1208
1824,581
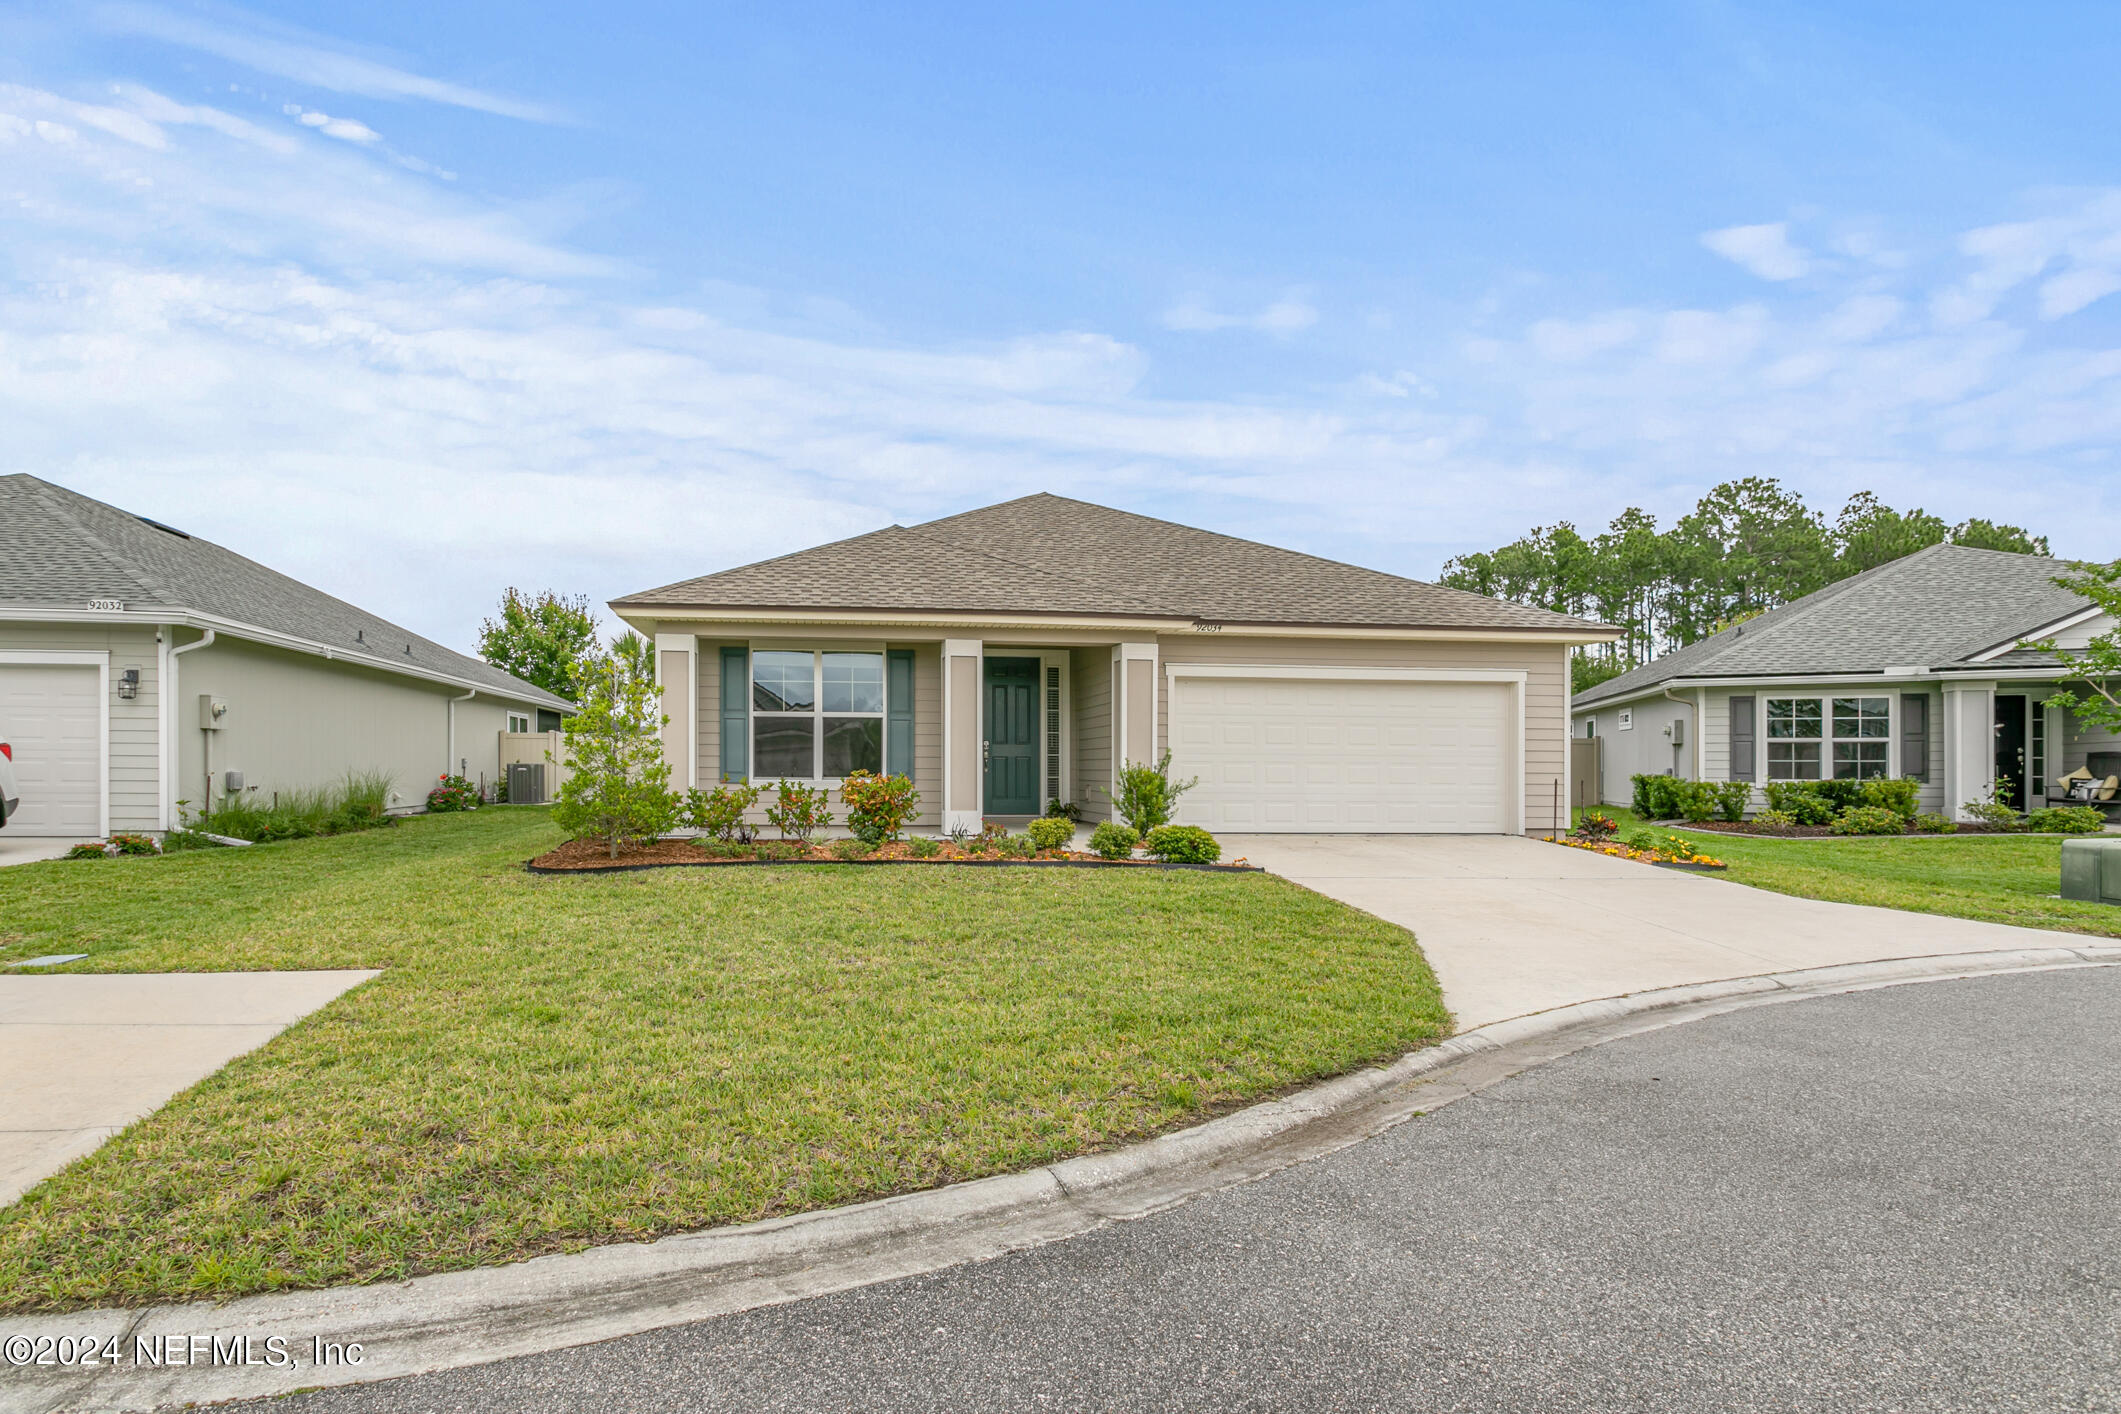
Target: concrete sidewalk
x,y
81,1057
1515,926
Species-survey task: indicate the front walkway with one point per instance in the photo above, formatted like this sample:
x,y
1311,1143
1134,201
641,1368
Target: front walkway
x,y
1515,926
84,1056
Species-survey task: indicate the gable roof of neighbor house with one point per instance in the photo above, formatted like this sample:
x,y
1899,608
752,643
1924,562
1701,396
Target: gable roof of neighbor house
x,y
1935,610
1046,554
60,549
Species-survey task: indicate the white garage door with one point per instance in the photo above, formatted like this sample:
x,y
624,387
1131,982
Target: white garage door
x,y
1315,755
53,718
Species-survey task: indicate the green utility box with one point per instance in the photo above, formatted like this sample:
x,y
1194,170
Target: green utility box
x,y
2091,870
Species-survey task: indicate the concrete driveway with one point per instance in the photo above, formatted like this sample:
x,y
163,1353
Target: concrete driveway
x,y
81,1057
1515,926
31,849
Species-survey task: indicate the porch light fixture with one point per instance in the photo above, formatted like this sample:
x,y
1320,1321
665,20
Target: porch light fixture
x,y
129,684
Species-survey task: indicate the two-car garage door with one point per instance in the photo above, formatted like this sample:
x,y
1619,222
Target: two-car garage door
x,y
52,718
1352,756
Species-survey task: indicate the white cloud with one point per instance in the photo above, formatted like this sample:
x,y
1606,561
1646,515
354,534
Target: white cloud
x,y
1764,250
346,129
308,59
1284,316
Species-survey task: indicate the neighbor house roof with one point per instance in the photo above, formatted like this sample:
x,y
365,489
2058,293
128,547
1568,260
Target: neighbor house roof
x,y
60,549
1047,554
1933,610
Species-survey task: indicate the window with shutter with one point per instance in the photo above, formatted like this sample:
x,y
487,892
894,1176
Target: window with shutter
x,y
736,714
1915,735
1742,750
898,701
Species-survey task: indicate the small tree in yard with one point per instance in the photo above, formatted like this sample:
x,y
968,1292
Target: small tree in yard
x,y
619,789
1147,794
2096,668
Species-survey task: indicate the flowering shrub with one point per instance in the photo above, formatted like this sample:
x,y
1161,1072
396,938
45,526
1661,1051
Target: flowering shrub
x,y
799,811
145,844
878,807
1596,826
1015,847
1650,847
87,851
452,793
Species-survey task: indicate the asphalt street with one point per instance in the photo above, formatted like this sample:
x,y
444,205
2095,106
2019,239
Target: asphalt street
x,y
1905,1199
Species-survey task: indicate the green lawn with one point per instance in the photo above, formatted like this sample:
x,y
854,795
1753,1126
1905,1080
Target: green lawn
x,y
1996,878
550,1063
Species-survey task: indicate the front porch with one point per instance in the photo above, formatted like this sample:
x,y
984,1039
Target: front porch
x,y
2012,732
986,729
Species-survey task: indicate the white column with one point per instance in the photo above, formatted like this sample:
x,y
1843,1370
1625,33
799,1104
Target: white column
x,y
1133,706
677,680
1969,745
964,735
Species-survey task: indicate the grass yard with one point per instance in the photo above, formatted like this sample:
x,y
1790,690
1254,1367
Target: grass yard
x,y
551,1063
1995,878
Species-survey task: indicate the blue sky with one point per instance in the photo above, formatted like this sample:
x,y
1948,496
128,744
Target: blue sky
x,y
420,301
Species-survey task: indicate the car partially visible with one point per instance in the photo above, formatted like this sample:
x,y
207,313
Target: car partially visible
x,y
10,798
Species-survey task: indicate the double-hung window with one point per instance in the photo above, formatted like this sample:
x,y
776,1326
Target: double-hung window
x,y
816,715
1794,730
518,722
1862,727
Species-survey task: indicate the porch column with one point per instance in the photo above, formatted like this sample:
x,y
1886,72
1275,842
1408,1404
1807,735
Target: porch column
x,y
676,661
1133,705
964,735
1969,745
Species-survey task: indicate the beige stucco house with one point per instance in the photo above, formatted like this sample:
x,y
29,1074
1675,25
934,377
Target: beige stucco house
x,y
120,637
1916,668
1019,654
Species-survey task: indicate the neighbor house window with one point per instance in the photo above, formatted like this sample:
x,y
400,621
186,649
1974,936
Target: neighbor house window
x,y
1862,726
1794,731
816,715
518,722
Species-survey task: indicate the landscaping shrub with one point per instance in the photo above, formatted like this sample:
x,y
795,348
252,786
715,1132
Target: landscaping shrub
x,y
87,851
1775,819
1053,832
779,849
618,789
799,811
852,849
1897,794
1644,840
1656,797
879,807
724,849
1147,794
1015,847
1182,844
1595,826
1929,822
720,812
1112,840
922,847
1842,795
1800,800
1694,801
145,844
1868,820
2055,820
1732,797
1058,809
452,793
1997,809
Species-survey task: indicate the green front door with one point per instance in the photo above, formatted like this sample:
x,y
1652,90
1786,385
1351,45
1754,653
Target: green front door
x,y
1012,736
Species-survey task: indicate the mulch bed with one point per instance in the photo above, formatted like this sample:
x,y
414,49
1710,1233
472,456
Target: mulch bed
x,y
594,857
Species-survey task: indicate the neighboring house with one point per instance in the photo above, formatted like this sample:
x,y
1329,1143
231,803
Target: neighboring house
x,y
1910,669
117,634
1012,655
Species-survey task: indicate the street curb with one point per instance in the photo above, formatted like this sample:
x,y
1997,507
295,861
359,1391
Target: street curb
x,y
456,1319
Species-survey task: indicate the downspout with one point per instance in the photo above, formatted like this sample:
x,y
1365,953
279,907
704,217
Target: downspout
x,y
169,691
450,767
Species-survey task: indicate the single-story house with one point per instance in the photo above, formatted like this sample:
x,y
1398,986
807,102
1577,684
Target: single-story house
x,y
1910,669
136,661
1019,654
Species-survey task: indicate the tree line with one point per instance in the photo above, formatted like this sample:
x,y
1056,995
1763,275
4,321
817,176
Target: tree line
x,y
1746,547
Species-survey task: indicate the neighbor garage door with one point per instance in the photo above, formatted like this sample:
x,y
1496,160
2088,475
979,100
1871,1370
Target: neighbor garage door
x,y
52,717
1324,755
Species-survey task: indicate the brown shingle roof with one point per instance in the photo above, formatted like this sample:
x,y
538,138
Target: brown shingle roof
x,y
1047,554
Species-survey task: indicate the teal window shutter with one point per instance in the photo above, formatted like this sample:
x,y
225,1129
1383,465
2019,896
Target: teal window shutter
x,y
898,713
736,714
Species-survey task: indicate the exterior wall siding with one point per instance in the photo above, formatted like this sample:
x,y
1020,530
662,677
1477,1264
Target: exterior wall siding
x,y
1644,749
298,722
1546,688
1090,672
135,726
